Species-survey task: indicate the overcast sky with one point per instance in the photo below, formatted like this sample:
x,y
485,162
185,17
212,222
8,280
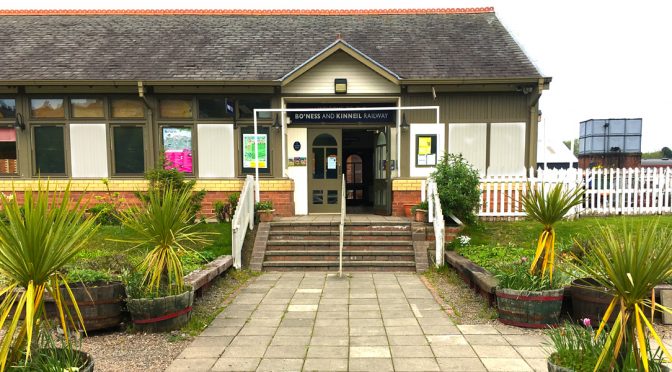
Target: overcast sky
x,y
608,59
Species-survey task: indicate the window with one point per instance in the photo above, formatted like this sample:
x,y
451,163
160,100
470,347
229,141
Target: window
x,y
47,108
7,151
215,108
7,108
177,148
246,108
248,148
49,149
125,108
176,108
87,107
129,149
425,150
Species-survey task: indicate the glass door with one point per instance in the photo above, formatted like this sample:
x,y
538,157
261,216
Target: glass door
x,y
324,171
383,173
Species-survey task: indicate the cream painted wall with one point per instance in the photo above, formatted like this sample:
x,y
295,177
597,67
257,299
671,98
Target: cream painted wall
x,y
215,151
470,140
320,79
437,129
298,174
504,137
88,150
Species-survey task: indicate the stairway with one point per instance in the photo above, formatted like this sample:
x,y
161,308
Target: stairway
x,y
368,246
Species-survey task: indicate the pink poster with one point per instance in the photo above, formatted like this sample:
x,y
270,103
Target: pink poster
x,y
180,160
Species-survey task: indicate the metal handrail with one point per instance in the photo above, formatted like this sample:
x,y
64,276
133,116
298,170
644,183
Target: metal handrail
x,y
436,217
341,229
243,216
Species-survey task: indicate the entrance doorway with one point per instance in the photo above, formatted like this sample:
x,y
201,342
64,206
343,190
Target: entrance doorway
x,y
362,156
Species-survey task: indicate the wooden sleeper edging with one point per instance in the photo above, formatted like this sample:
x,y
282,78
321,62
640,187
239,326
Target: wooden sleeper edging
x,y
200,279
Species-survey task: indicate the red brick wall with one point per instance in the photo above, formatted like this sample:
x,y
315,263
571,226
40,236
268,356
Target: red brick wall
x,y
401,198
283,201
611,160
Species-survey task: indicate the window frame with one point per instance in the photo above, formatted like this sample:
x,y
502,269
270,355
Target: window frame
x,y
70,113
435,146
9,123
249,129
112,161
66,104
66,153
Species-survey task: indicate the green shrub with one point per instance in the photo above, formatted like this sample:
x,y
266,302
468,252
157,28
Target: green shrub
x,y
161,180
233,202
221,211
423,205
517,276
88,276
458,182
106,214
265,205
575,347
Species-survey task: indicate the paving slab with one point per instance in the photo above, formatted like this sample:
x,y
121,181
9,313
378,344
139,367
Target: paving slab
x,y
364,322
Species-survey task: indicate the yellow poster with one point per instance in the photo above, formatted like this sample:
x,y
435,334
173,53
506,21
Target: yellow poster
x,y
424,145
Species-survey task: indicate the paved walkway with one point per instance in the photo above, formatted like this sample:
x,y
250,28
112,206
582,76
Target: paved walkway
x,y
365,322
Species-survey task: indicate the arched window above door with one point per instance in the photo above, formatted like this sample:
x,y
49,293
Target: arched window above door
x,y
324,140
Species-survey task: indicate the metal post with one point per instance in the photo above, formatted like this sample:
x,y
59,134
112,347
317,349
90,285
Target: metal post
x,y
257,196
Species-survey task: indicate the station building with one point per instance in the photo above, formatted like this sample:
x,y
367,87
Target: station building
x,y
91,95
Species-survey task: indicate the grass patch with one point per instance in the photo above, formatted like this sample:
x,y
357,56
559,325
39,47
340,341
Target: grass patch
x,y
103,253
495,243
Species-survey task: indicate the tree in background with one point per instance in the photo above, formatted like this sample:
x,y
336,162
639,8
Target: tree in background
x,y
667,153
576,146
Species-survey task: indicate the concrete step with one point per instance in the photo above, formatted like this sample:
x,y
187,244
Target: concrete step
x,y
326,226
332,255
398,265
335,232
349,243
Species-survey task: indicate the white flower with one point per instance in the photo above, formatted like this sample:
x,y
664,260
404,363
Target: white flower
x,y
464,240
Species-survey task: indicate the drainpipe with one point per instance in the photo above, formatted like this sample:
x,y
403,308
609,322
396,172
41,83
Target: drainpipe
x,y
150,116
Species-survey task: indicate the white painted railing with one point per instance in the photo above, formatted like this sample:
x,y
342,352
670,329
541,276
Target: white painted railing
x,y
436,217
341,228
243,218
607,191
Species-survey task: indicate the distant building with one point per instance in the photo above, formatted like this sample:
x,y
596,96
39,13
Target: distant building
x,y
555,155
610,143
657,163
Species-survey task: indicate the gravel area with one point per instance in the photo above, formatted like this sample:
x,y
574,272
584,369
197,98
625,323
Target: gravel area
x,y
127,351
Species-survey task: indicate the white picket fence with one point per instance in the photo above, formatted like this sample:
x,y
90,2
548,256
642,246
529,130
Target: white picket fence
x,y
607,191
243,219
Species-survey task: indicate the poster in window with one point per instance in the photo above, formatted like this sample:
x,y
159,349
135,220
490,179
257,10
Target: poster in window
x,y
331,162
249,158
177,149
431,159
422,159
424,145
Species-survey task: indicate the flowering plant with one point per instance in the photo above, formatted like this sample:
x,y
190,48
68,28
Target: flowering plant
x,y
464,240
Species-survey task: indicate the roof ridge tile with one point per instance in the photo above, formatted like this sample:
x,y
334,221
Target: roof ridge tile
x,y
245,12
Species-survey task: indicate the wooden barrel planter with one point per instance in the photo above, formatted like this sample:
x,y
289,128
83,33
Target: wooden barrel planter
x,y
554,367
590,301
101,304
161,314
529,309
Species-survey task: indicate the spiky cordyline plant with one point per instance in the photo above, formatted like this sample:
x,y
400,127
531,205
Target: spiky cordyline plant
x,y
548,208
38,239
164,224
629,261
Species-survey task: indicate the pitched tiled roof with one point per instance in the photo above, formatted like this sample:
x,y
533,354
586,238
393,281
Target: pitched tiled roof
x,y
221,45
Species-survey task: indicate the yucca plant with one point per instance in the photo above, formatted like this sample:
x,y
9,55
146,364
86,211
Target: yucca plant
x,y
37,240
163,224
629,261
548,207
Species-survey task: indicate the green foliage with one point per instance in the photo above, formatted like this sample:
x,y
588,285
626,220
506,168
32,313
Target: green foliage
x,y
629,261
666,152
88,276
264,205
164,225
221,211
107,209
233,201
423,205
39,239
517,276
575,347
458,182
161,180
547,208
490,257
576,146
52,355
